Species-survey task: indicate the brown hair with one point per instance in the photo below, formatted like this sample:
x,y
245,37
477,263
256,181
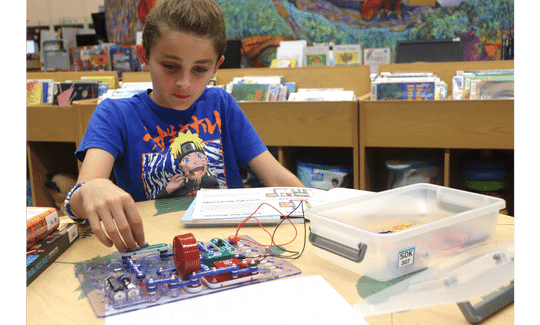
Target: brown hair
x,y
202,18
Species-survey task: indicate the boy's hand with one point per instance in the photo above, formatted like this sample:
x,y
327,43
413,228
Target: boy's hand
x,y
175,183
112,214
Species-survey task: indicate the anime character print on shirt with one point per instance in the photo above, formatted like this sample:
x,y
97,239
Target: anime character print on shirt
x,y
188,166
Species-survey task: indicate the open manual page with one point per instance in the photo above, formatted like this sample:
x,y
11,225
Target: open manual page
x,y
264,202
291,301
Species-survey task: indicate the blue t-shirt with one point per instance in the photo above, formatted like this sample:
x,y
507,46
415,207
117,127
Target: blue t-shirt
x,y
211,140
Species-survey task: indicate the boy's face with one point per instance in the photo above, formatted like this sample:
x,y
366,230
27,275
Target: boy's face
x,y
194,164
180,66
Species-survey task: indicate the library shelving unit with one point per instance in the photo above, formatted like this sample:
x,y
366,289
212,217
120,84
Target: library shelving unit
x,y
364,132
53,133
450,129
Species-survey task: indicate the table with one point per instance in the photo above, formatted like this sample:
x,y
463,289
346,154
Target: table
x,y
56,297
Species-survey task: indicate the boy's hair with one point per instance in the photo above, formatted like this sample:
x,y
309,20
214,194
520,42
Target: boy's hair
x,y
202,18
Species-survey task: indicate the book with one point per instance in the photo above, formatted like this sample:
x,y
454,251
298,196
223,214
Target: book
x,y
126,90
46,251
302,90
109,80
350,54
98,60
324,95
316,55
122,59
375,57
283,63
34,92
283,93
81,59
482,75
40,222
408,86
291,86
251,92
259,80
292,50
67,92
491,89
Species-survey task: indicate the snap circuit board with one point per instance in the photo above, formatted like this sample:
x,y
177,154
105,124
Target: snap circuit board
x,y
159,274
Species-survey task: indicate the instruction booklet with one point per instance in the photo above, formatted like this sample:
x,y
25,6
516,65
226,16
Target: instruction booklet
x,y
263,202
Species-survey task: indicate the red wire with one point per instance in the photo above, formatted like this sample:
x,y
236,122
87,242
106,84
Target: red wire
x,y
241,224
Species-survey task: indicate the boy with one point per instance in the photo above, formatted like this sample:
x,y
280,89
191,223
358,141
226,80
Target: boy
x,y
183,46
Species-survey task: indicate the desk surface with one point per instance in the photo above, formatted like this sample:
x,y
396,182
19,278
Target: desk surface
x,y
56,297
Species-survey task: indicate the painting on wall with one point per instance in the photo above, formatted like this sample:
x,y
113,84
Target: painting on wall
x,y
262,24
371,23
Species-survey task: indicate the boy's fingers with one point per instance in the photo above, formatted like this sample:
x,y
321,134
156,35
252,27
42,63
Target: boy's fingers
x,y
110,229
95,224
124,229
136,224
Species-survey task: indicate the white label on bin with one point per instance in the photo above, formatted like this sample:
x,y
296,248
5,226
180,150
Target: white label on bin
x,y
406,257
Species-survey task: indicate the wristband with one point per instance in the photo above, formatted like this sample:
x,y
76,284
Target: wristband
x,y
68,208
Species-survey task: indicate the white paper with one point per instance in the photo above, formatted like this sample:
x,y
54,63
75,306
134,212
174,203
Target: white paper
x,y
292,50
242,202
296,300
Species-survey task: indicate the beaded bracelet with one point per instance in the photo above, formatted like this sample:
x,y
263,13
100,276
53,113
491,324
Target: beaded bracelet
x,y
68,208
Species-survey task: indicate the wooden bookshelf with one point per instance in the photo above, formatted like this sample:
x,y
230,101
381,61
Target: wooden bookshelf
x,y
448,129
364,131
446,70
62,76
53,134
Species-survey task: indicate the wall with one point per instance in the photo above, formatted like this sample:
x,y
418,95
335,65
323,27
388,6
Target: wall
x,y
262,24
60,12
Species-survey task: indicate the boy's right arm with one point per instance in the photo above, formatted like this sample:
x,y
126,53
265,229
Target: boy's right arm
x,y
102,202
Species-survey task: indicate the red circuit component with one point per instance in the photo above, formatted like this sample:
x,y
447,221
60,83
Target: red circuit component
x,y
186,255
223,277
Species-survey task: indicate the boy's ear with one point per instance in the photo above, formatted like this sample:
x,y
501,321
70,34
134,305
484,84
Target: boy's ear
x,y
219,62
142,57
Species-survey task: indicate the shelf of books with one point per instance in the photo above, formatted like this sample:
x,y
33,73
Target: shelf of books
x,y
53,122
313,115
446,70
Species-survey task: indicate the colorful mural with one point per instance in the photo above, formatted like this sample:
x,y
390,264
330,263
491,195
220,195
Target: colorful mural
x,y
372,23
262,24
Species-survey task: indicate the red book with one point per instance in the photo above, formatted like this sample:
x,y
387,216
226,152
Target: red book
x,y
40,222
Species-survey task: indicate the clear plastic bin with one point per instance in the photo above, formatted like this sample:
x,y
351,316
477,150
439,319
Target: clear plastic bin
x,y
395,232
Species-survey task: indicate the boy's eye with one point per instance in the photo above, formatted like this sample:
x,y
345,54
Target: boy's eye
x,y
201,70
169,66
186,160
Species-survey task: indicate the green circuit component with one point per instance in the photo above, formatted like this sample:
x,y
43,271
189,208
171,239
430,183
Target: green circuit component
x,y
145,249
220,250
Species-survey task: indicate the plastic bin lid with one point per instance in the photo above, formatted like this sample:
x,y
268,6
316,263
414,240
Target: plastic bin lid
x,y
470,275
399,165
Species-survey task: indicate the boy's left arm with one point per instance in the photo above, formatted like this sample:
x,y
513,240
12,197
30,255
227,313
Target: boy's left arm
x,y
271,173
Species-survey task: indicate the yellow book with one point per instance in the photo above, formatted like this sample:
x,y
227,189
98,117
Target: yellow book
x,y
283,63
34,92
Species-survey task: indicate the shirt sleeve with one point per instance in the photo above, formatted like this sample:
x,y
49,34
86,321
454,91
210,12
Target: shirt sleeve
x,y
104,131
247,143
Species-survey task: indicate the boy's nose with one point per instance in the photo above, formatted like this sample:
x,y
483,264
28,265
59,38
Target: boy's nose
x,y
183,81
